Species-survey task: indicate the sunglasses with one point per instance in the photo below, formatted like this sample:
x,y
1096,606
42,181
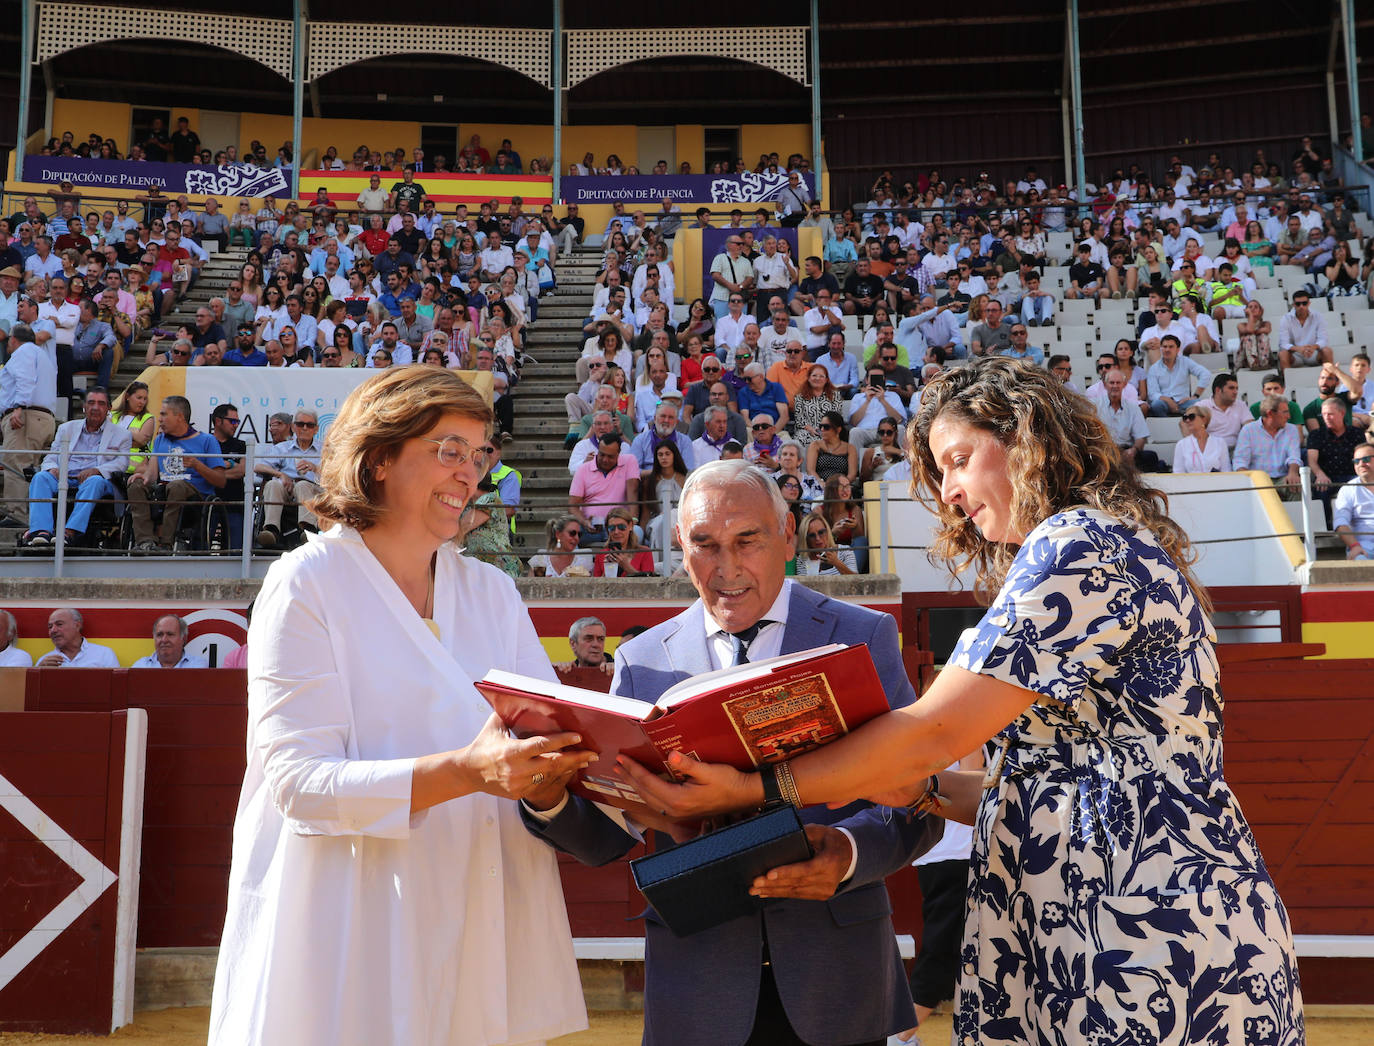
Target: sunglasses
x,y
306,424
825,426
331,355
798,352
617,526
1191,416
762,426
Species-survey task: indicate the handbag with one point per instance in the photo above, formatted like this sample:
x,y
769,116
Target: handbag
x,y
705,881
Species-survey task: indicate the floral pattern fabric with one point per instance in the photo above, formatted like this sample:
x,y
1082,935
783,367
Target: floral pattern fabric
x,y
1117,895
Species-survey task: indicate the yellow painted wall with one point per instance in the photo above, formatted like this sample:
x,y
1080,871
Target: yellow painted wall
x,y
81,117
345,135
691,147
783,139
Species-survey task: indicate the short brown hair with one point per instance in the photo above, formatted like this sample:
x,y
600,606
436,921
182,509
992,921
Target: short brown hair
x,y
376,419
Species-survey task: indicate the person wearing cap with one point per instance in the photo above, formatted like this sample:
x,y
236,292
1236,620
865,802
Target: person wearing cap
x,y
28,397
10,276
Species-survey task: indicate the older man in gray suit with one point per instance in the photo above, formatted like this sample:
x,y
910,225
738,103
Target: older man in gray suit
x,y
821,968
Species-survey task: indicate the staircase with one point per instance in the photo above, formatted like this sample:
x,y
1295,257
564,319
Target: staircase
x,y
541,421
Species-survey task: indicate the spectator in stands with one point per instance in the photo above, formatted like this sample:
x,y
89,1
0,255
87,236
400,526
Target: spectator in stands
x,y
1353,512
1019,347
1226,414
818,552
623,555
587,637
1036,305
71,649
172,475
28,398
1331,452
664,428
1206,335
1254,351
992,336
1125,424
169,646
863,290
1328,387
99,451
10,654
1273,385
721,394
870,404
610,478
1166,324
1302,335
1171,380
1200,450
1342,274
560,558
831,454
845,516
291,469
732,276
1087,279
1356,382
1270,444
715,433
759,396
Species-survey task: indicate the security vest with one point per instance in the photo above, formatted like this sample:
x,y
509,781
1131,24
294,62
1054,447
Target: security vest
x,y
498,474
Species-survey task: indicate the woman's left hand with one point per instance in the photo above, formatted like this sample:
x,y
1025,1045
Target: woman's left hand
x,y
702,790
507,766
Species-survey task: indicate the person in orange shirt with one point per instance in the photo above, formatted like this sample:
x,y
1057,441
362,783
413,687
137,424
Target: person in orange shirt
x,y
791,371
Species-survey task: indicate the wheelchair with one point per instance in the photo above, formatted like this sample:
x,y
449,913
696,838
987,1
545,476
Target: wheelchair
x,y
103,529
205,525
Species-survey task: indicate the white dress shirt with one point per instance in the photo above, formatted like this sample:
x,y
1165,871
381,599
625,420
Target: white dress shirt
x,y
187,661
91,655
13,657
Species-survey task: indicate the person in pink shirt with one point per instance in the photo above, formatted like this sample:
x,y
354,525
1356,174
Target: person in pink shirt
x,y
608,480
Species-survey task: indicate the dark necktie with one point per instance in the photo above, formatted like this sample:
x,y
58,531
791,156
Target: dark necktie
x,y
740,640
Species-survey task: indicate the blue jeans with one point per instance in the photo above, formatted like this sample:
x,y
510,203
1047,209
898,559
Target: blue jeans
x,y
102,369
1160,409
43,491
1041,310
720,308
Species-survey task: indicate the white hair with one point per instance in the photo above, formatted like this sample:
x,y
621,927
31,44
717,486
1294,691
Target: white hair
x,y
581,625
729,473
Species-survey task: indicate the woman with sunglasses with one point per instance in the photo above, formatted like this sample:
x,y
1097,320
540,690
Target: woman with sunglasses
x,y
700,320
622,556
560,557
340,347
831,454
818,552
271,310
370,624
881,456
1198,451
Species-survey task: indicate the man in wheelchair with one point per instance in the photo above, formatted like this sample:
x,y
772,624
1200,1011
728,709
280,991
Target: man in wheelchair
x,y
99,452
172,476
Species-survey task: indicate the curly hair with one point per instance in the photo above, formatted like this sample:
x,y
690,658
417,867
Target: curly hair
x,y
375,420
1059,455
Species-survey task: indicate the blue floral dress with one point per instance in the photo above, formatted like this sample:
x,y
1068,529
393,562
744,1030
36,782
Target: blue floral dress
x,y
1117,895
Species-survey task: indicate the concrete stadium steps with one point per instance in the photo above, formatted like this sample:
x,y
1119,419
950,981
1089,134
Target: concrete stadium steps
x,y
541,421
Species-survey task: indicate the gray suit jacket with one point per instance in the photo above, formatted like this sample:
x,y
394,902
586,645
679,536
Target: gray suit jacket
x,y
835,962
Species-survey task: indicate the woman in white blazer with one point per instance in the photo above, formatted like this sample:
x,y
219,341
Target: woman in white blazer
x,y
383,889
1198,451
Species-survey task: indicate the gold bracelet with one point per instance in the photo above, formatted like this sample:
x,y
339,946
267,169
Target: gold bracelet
x,y
787,784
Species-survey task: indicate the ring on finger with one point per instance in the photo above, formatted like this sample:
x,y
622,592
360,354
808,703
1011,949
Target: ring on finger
x,y
536,778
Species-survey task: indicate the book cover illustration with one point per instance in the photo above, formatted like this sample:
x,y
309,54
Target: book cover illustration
x,y
775,722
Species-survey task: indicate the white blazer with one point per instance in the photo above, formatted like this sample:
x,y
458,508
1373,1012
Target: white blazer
x,y
349,920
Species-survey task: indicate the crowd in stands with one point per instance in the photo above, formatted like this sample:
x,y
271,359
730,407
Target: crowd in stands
x,y
809,366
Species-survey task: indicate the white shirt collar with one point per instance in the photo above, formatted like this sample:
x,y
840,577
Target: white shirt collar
x,y
777,613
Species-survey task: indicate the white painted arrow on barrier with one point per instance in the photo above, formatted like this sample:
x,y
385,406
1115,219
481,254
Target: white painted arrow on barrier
x,y
95,880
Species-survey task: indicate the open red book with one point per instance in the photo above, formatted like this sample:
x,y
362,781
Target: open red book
x,y
760,712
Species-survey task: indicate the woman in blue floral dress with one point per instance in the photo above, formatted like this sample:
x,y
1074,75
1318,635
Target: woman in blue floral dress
x,y
1116,893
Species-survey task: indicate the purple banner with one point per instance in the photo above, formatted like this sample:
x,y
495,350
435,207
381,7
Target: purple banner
x,y
682,188
235,179
713,245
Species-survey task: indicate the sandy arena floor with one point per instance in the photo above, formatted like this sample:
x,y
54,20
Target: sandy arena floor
x,y
188,1028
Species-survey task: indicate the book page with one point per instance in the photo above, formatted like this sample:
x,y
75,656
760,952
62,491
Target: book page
x,y
723,677
575,695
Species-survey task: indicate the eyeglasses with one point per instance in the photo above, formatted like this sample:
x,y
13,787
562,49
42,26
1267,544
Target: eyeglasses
x,y
797,352
1164,312
181,352
1366,460
825,426
744,355
736,301
1191,416
893,359
761,426
306,424
617,526
454,450
1103,366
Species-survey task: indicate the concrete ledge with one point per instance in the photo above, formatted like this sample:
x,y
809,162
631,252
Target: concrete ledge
x,y
1339,572
571,590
